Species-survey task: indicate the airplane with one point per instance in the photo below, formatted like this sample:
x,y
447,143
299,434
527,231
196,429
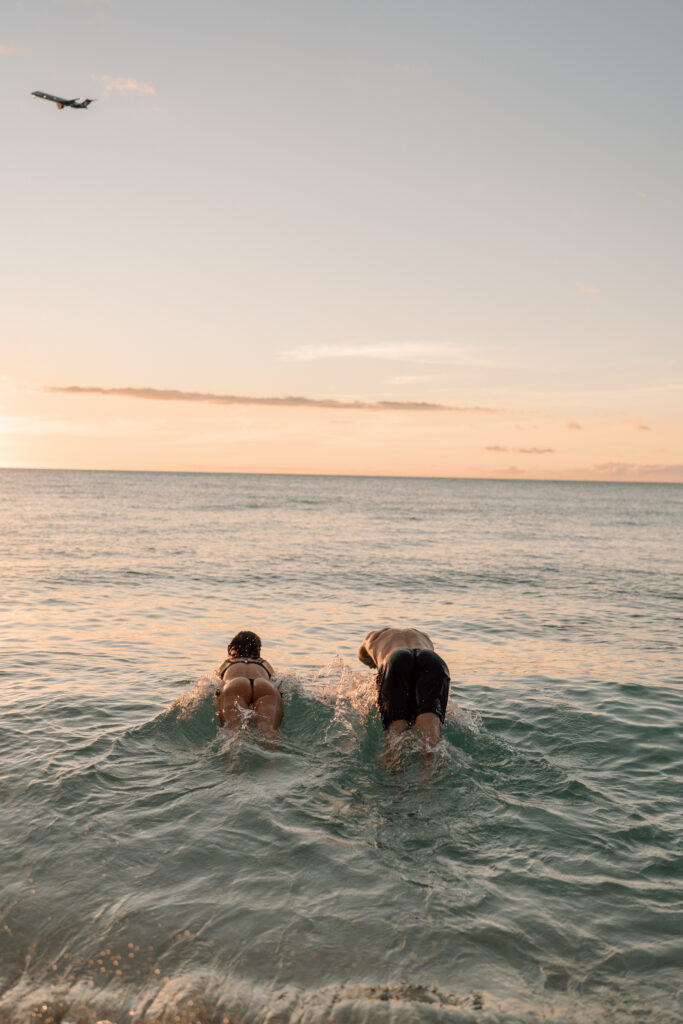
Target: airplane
x,y
61,103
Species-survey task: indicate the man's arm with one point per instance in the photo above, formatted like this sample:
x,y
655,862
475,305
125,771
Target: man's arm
x,y
364,654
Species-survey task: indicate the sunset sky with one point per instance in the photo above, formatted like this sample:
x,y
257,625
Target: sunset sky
x,y
436,237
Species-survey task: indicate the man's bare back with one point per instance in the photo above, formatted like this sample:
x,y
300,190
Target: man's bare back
x,y
379,644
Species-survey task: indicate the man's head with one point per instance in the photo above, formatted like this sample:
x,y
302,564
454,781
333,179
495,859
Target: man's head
x,y
245,644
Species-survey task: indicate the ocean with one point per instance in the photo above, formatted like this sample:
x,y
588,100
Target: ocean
x,y
155,868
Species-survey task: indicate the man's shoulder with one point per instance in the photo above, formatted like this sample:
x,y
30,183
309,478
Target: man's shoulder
x,y
375,634
401,634
423,636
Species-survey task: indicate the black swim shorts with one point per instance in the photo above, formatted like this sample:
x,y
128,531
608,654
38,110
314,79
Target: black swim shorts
x,y
411,683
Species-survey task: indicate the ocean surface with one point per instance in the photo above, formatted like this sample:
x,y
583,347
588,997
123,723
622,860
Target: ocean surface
x,y
156,869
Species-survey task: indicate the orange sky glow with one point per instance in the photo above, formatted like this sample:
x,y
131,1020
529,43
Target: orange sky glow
x,y
95,431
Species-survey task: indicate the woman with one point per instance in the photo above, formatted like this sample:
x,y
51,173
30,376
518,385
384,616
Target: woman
x,y
246,679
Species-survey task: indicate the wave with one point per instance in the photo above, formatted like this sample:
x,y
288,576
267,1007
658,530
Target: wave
x,y
203,998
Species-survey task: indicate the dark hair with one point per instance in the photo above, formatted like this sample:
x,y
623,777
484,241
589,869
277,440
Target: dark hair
x,y
245,644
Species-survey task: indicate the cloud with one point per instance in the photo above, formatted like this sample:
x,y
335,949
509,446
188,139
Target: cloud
x,y
637,425
161,395
430,352
126,85
573,425
665,473
590,289
8,50
519,451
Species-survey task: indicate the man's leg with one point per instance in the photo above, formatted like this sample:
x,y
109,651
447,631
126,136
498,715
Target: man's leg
x,y
431,694
428,725
394,691
399,725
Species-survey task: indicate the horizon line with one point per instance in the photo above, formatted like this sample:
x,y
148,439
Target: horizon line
x,y
350,476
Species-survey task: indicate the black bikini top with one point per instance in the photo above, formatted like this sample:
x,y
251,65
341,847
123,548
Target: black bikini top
x,y
244,661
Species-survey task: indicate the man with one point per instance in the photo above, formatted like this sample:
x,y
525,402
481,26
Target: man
x,y
412,681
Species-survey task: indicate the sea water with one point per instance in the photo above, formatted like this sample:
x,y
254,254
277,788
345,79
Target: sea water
x,y
155,868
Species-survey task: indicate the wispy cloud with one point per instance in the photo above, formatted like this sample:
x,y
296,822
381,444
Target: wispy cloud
x,y
430,352
519,451
126,85
637,424
162,395
590,289
573,425
666,473
8,50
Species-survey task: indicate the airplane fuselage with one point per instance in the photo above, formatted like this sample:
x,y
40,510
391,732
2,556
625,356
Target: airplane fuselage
x,y
61,102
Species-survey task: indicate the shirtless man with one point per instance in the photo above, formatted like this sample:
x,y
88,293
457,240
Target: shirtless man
x,y
412,680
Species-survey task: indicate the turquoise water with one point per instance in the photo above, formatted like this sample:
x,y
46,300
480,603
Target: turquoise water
x,y
156,869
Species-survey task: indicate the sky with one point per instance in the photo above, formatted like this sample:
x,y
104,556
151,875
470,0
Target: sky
x,y
429,238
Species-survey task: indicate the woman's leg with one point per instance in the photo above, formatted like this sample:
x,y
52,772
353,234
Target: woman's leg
x,y
233,699
268,707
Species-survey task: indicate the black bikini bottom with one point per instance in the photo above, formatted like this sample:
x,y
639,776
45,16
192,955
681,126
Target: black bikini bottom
x,y
251,682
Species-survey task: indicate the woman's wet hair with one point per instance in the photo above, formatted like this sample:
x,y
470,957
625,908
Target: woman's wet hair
x,y
245,644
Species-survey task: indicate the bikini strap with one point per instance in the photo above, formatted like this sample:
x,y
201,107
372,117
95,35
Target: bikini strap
x,y
244,661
